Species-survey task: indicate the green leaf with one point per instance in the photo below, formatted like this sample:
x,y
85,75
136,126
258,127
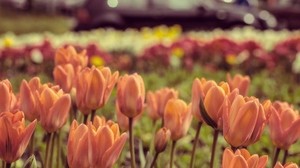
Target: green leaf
x,y
30,162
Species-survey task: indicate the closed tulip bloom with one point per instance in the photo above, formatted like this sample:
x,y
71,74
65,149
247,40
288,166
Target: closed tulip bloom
x,y
69,55
287,165
123,120
241,158
240,82
161,139
284,125
8,101
213,103
156,101
54,107
64,75
131,95
28,98
93,88
243,121
97,145
177,118
15,135
199,90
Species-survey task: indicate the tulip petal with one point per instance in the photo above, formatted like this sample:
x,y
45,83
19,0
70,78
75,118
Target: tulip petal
x,y
96,88
113,153
213,101
227,158
238,162
262,162
5,98
27,101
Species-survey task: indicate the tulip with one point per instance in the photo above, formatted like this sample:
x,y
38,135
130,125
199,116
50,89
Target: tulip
x,y
131,95
8,101
284,125
123,120
243,159
64,75
94,87
161,139
28,98
243,121
54,107
98,144
15,135
69,55
240,82
177,118
287,165
156,101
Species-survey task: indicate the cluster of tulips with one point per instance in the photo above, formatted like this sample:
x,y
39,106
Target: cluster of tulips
x,y
79,91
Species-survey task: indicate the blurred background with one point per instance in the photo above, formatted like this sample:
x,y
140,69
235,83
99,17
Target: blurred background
x,y
58,16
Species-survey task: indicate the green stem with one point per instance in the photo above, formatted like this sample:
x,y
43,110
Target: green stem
x,y
49,135
85,118
213,150
154,160
172,153
275,158
52,149
286,154
131,142
195,144
93,115
58,150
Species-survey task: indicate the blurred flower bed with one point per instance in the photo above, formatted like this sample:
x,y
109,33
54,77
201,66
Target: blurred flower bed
x,y
246,49
169,63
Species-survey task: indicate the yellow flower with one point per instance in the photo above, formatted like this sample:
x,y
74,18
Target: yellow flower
x,y
97,61
7,42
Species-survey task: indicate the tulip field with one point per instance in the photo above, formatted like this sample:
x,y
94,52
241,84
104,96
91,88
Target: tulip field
x,y
150,98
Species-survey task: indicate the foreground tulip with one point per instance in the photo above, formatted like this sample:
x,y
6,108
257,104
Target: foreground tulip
x,y
8,100
287,165
97,145
156,101
14,135
284,125
243,121
93,88
54,107
28,98
243,159
240,82
69,55
177,118
130,102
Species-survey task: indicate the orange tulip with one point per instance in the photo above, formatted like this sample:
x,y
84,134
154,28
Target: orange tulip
x,y
156,101
243,159
97,145
28,98
284,125
177,118
65,75
14,135
240,82
287,165
8,101
131,95
123,120
93,88
69,55
161,139
54,107
243,121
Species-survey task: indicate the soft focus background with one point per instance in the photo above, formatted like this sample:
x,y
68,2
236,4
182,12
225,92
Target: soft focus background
x,y
169,43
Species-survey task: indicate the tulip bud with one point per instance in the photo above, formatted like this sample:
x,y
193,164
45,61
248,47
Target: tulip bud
x,y
64,76
161,139
131,95
14,135
8,100
69,55
243,159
